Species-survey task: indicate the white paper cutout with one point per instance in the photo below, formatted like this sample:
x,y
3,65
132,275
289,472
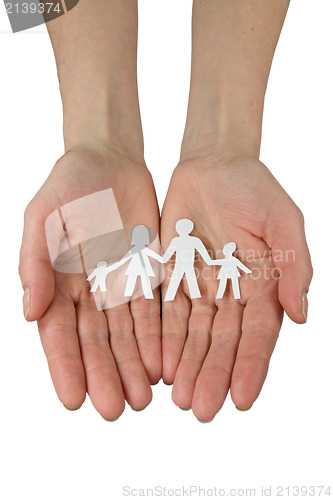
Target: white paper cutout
x,y
100,274
229,270
184,246
139,265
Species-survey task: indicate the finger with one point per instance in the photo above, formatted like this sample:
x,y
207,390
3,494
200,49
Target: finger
x,y
146,315
35,268
103,381
175,317
195,350
58,334
214,379
261,324
124,347
286,237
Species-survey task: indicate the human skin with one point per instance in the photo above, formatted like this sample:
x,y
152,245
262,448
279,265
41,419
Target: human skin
x,y
210,346
116,354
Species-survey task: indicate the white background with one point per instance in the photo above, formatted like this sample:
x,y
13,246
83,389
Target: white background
x,y
286,438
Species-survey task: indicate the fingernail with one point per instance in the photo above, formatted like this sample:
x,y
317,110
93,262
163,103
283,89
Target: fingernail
x,y
72,409
184,409
110,419
305,306
244,409
206,421
26,302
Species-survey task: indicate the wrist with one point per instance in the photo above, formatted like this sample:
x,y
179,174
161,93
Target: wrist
x,y
103,119
223,126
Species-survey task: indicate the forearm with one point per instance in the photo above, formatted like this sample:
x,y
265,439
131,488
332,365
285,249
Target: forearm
x,y
233,47
95,47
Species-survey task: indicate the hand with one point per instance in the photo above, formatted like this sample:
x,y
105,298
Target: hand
x,y
212,345
111,354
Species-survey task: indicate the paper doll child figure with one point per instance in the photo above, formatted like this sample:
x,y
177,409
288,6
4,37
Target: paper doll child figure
x,y
100,274
139,265
185,246
229,270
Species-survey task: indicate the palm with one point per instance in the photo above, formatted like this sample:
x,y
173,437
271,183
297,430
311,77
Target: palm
x,y
222,343
111,354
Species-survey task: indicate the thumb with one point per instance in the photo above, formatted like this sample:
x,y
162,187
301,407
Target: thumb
x,y
286,238
35,267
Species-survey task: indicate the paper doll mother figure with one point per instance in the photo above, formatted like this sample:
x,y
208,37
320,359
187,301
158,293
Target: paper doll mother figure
x,y
229,270
139,265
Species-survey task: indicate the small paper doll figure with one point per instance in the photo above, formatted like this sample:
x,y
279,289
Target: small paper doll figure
x,y
100,274
185,246
139,265
229,270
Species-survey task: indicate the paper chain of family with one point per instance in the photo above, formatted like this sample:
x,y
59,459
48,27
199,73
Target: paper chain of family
x,y
184,246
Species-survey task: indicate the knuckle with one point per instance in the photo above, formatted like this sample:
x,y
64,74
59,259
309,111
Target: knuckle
x,y
21,267
29,211
23,264
310,272
298,214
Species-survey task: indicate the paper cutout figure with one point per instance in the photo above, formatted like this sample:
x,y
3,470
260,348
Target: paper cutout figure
x,y
100,274
139,265
229,270
185,246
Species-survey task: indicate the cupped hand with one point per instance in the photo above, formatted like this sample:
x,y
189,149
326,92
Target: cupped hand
x,y
113,354
211,345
